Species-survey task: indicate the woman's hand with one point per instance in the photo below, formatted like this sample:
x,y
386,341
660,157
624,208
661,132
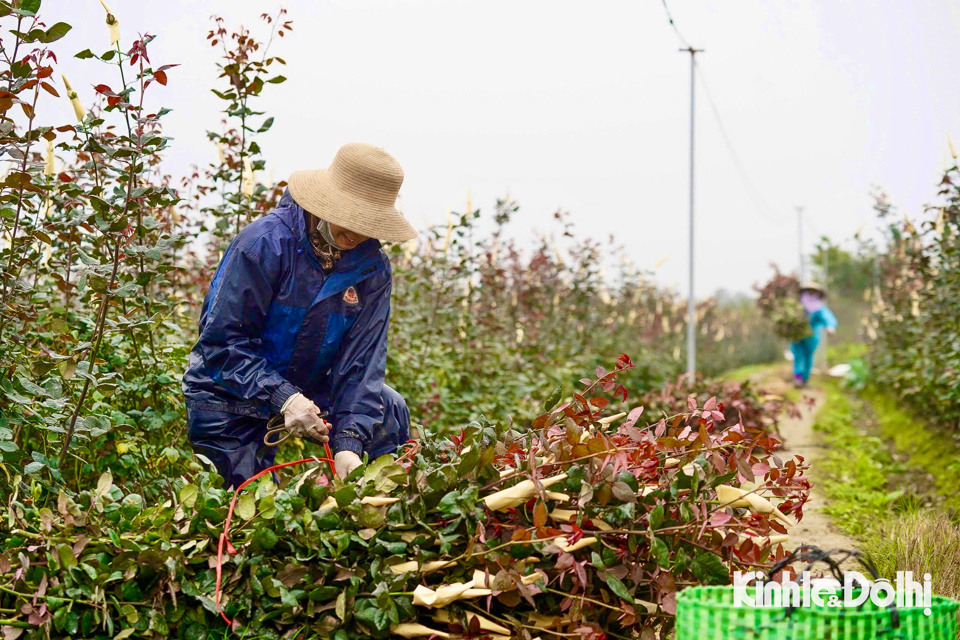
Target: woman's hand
x,y
346,462
302,418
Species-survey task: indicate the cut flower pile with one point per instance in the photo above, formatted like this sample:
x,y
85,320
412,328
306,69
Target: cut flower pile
x,y
578,524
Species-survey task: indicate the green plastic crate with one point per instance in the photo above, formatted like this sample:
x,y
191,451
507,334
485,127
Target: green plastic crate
x,y
708,613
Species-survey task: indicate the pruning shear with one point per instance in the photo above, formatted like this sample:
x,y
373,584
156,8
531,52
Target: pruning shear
x,y
277,432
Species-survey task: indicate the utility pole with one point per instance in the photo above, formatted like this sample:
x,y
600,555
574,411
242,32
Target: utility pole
x,y
800,241
691,304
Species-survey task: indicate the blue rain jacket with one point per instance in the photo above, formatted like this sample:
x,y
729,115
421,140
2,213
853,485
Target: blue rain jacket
x,y
273,324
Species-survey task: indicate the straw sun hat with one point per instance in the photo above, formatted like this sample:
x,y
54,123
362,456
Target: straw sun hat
x,y
814,287
358,191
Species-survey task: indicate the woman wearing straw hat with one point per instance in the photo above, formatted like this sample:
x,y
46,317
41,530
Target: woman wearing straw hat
x,y
821,318
295,323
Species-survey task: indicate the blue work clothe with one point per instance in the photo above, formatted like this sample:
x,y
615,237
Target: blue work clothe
x,y
274,324
803,350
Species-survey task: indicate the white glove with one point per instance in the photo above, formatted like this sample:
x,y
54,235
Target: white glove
x,y
302,418
346,462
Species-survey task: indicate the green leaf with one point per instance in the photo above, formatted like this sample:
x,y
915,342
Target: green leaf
x,y
709,569
660,552
246,506
266,125
65,554
656,517
277,80
32,468
86,53
28,7
553,398
188,495
99,205
618,588
56,32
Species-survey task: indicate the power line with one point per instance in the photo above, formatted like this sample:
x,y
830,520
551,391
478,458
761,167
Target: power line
x,y
758,201
686,45
762,207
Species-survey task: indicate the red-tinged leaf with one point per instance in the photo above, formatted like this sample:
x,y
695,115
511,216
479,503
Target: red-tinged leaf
x,y
160,77
104,89
539,514
720,518
633,416
561,407
710,404
541,421
586,381
597,445
669,603
760,469
49,89
599,402
683,434
744,469
580,451
718,463
660,429
65,178
704,436
692,403
601,371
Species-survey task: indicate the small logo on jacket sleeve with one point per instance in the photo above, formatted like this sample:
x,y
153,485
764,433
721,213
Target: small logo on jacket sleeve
x,y
350,296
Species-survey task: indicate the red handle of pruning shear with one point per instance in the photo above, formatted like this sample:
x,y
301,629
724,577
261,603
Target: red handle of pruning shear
x,y
225,542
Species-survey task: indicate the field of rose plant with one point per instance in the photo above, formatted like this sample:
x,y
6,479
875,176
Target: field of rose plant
x,y
538,502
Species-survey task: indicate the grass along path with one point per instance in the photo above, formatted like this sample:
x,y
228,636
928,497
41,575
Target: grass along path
x,y
800,439
890,482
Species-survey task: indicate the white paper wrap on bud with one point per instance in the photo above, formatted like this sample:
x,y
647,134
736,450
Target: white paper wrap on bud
x,y
78,109
415,630
49,163
518,493
112,23
379,501
485,624
442,596
734,497
412,566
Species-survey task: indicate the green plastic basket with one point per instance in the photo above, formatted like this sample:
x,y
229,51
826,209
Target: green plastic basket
x,y
708,613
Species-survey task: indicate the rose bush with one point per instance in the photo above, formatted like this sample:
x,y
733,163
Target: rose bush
x,y
913,325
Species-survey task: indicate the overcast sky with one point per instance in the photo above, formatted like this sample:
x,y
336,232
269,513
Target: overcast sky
x,y
584,106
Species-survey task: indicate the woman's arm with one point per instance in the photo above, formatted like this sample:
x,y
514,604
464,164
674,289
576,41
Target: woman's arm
x,y
230,335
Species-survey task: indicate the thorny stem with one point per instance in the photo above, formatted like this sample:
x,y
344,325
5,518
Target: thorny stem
x,y
16,220
98,330
101,321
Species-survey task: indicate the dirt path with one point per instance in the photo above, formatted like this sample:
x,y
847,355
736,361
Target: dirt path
x,y
800,439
